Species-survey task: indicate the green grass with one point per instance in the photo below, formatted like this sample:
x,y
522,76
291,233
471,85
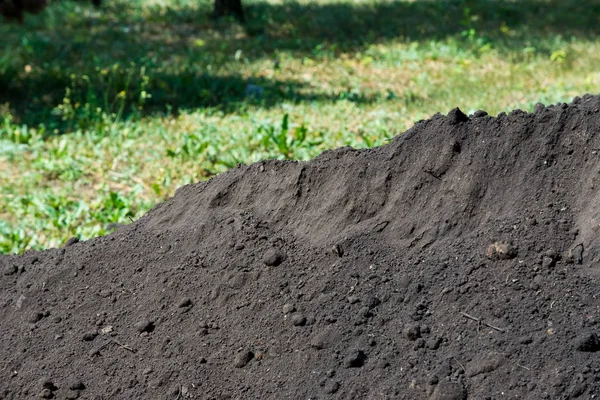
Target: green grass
x,y
104,113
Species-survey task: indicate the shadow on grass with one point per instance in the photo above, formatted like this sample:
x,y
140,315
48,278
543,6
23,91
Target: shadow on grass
x,y
512,24
65,65
41,96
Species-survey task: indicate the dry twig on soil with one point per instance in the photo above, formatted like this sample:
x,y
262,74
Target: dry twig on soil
x,y
479,320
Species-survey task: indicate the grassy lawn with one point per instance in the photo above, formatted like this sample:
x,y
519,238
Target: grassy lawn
x,y
104,113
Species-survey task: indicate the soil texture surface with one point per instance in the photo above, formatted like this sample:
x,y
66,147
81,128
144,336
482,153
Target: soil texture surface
x,y
459,261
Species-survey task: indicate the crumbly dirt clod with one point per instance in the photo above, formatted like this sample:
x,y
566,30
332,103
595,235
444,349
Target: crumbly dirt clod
x,y
501,251
465,265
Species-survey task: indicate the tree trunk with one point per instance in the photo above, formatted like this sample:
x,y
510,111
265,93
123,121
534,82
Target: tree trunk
x,y
15,9
224,8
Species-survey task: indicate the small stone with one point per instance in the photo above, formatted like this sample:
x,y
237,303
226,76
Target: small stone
x,y
446,390
589,343
484,364
288,308
536,282
412,332
539,107
551,253
106,330
184,302
273,257
89,336
174,391
325,339
10,270
71,241
372,302
577,390
338,250
46,383
76,384
479,114
527,339
353,299
533,222
548,262
577,254
46,394
332,387
72,395
501,251
355,359
364,312
35,317
144,326
330,373
298,320
456,115
444,369
243,358
434,343
383,364
419,343
147,371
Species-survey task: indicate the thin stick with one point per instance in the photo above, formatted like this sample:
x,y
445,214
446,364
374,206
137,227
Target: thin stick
x,y
124,346
113,341
458,362
480,321
470,317
102,347
493,327
524,367
430,172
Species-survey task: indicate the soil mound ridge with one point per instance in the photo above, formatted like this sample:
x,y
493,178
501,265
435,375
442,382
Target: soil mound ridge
x,y
459,261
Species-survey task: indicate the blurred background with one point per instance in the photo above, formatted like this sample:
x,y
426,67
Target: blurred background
x,y
106,110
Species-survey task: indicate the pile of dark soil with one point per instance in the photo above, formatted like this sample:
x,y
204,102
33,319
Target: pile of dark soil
x,y
460,261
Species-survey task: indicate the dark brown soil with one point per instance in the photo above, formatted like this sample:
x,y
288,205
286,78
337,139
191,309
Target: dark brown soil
x,y
458,262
